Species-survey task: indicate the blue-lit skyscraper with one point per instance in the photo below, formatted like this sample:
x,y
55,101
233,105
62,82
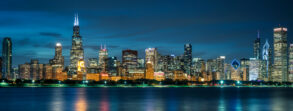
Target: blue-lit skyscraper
x,y
6,58
267,59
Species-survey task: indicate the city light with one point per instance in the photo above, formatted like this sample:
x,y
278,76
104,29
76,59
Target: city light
x,y
222,82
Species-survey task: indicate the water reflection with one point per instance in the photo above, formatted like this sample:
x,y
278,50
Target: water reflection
x,y
81,103
104,105
58,101
146,99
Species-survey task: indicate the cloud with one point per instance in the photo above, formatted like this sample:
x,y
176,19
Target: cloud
x,y
50,34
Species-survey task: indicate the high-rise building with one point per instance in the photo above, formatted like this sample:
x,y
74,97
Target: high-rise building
x,y
151,56
76,52
141,63
36,70
256,47
187,58
57,62
129,59
235,70
220,67
24,71
48,71
149,71
92,65
112,66
7,58
103,56
280,73
267,60
290,77
254,69
244,67
197,66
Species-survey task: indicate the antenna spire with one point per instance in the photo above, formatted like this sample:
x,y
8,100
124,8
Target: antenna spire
x,y
258,34
76,22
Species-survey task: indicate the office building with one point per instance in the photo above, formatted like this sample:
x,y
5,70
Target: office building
x,y
280,73
7,58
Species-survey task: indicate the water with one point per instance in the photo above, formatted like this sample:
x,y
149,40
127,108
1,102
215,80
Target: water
x,y
146,99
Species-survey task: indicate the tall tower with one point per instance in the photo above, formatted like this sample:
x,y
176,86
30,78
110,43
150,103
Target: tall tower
x,y
58,60
151,56
103,55
280,73
7,58
256,47
290,76
76,52
267,59
187,58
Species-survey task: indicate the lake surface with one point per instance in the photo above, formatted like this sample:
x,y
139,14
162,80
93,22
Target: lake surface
x,y
146,99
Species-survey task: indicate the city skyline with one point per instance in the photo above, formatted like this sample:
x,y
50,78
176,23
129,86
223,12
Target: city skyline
x,y
33,38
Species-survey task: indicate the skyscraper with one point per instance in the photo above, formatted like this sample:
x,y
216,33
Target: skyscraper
x,y
220,67
151,56
187,58
7,58
112,66
256,47
76,52
280,73
129,59
103,55
290,76
58,60
267,59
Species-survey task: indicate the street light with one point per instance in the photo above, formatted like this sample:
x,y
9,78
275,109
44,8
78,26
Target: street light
x,y
238,82
222,82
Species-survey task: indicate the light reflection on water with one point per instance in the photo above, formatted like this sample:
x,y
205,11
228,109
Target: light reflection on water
x,y
146,99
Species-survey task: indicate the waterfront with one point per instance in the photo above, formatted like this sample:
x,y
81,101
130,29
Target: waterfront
x,y
146,99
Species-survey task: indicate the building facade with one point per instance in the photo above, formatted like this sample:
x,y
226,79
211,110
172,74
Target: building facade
x,y
256,47
290,76
7,58
187,58
280,73
103,56
76,52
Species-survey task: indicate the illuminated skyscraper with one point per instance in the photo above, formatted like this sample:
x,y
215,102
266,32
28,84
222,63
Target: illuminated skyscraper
x,y
290,63
149,71
58,60
92,65
280,73
254,69
112,66
103,55
129,59
244,67
256,47
267,59
220,67
76,52
151,56
187,58
6,58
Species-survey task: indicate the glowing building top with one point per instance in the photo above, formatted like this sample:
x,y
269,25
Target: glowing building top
x,y
76,22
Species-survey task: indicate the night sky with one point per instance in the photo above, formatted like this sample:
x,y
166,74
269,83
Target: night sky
x,y
213,27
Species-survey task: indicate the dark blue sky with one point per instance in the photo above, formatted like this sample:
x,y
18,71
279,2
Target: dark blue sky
x,y
213,27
